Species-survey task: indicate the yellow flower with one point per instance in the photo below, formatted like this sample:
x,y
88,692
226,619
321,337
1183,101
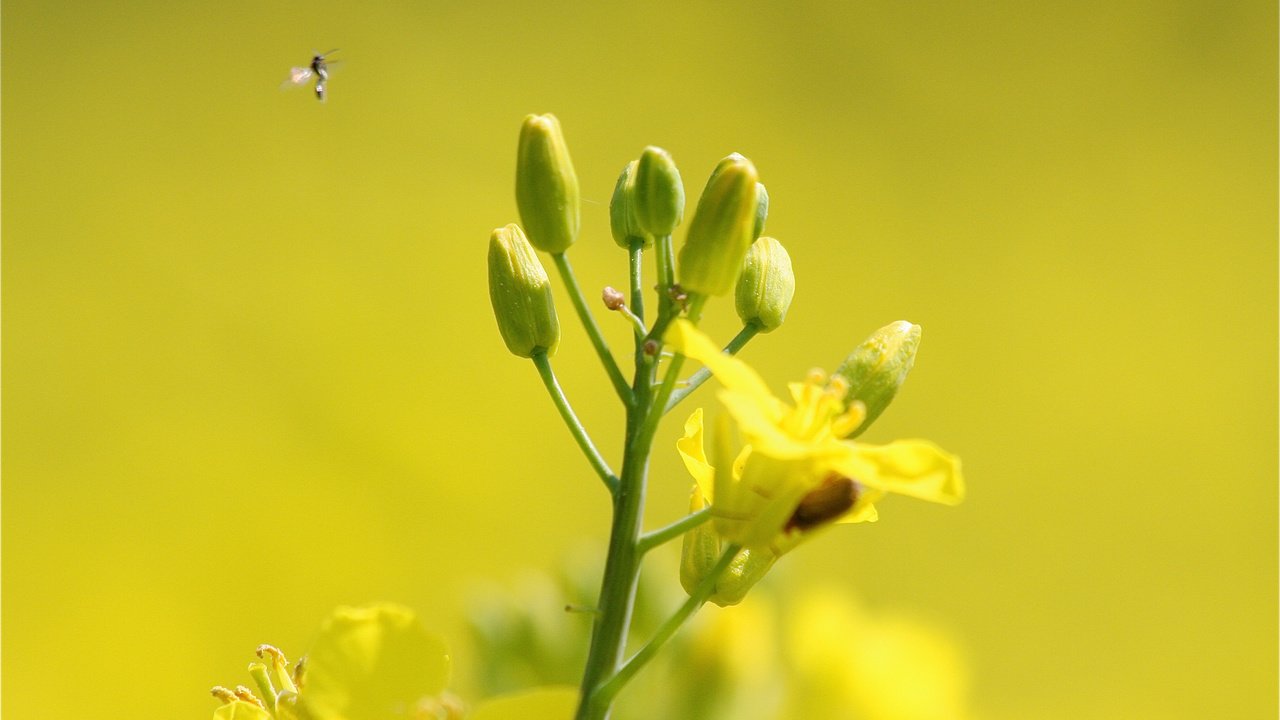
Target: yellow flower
x,y
368,663
797,472
847,662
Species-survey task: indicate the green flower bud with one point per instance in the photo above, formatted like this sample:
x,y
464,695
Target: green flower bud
x,y
521,294
878,367
659,194
622,216
747,568
700,553
762,209
546,186
720,232
726,161
700,550
766,285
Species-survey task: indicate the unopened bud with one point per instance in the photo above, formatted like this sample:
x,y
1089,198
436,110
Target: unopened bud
x,y
720,231
766,285
878,367
622,214
521,294
701,548
546,186
762,209
701,553
747,568
659,194
726,161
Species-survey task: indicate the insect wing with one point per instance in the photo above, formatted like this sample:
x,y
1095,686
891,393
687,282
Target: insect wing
x,y
297,76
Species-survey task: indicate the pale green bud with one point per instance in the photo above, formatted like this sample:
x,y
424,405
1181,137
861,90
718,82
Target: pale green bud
x,y
720,231
878,367
726,161
701,552
659,194
521,294
622,215
762,209
747,568
766,285
546,186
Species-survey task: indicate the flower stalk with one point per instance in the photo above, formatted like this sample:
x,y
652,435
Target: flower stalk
x,y
799,472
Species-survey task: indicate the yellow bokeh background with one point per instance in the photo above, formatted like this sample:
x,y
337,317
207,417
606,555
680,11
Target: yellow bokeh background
x,y
250,370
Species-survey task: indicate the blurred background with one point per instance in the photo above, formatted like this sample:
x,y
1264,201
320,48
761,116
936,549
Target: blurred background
x,y
251,373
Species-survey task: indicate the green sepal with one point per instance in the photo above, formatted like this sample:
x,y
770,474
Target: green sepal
x,y
747,568
700,548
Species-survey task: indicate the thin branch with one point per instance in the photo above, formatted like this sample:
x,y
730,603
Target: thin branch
x,y
651,540
593,330
575,427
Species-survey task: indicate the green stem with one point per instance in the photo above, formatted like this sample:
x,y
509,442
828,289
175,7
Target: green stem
x,y
661,397
605,693
571,420
665,264
651,540
593,330
622,563
637,289
748,331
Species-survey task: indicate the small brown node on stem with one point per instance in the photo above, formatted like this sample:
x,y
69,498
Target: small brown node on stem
x,y
678,295
651,347
613,298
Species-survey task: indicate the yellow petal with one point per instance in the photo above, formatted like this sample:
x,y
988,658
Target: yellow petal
x,y
240,710
917,468
370,663
865,509
694,456
734,374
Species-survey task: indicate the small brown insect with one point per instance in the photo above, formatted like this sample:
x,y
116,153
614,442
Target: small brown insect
x,y
833,498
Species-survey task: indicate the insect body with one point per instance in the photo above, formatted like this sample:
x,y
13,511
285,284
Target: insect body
x,y
833,498
318,69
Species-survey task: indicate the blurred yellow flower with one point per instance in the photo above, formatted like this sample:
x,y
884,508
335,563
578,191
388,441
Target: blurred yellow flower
x,y
796,473
846,663
368,663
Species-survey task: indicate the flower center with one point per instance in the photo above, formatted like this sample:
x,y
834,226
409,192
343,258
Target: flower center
x,y
820,411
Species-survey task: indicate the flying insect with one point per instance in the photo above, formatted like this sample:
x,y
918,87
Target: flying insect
x,y
318,69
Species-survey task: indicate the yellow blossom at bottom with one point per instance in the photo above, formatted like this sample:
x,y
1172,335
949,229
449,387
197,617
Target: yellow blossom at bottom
x,y
847,663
